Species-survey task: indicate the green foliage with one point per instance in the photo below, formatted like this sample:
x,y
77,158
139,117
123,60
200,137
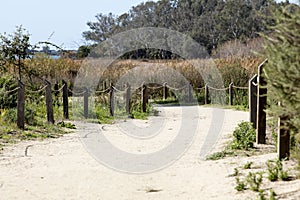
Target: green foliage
x,y
254,180
272,171
275,171
210,23
261,195
66,125
240,185
283,68
103,115
243,136
8,100
83,51
14,48
236,172
9,115
219,155
248,165
272,194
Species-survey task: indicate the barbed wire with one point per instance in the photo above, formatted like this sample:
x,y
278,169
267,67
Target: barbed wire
x,y
10,91
37,91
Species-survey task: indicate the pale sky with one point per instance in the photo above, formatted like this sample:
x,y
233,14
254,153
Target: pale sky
x,y
66,19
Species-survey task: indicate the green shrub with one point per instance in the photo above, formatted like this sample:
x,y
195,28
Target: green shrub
x,y
254,180
272,171
261,195
9,115
283,68
240,185
243,136
8,100
219,155
272,194
248,165
66,125
275,171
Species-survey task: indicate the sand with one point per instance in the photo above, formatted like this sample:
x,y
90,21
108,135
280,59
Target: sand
x,y
66,168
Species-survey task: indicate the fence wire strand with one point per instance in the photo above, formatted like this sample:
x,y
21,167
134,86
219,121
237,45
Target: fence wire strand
x,y
10,91
60,89
118,90
255,84
218,89
102,91
155,88
76,93
176,89
37,91
200,88
242,88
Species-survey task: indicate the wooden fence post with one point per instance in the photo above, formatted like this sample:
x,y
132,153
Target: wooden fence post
x,y
65,99
283,143
144,98
86,103
261,106
165,91
21,105
189,97
231,94
128,94
49,103
111,100
104,85
253,100
206,94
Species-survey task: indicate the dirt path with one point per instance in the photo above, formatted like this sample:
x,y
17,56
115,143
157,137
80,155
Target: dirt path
x,y
63,169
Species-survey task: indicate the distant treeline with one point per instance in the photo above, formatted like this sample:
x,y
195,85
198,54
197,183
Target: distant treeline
x,y
211,23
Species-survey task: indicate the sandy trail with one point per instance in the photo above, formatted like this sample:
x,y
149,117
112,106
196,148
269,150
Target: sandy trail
x,y
63,169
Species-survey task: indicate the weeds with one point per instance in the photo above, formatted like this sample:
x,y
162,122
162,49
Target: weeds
x,y
254,180
219,155
275,171
66,125
272,194
248,165
240,185
261,195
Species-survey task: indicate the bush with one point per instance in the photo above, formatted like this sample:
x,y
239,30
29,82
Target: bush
x,y
244,136
8,100
283,68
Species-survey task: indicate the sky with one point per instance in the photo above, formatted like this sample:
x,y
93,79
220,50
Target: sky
x,y
63,20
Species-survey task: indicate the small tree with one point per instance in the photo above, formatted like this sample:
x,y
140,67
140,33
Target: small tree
x,y
14,48
283,68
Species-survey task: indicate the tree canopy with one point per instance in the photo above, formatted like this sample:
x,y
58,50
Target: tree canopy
x,y
209,22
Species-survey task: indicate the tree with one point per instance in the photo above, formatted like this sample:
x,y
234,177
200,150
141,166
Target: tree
x,y
283,68
14,48
209,22
102,29
83,51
